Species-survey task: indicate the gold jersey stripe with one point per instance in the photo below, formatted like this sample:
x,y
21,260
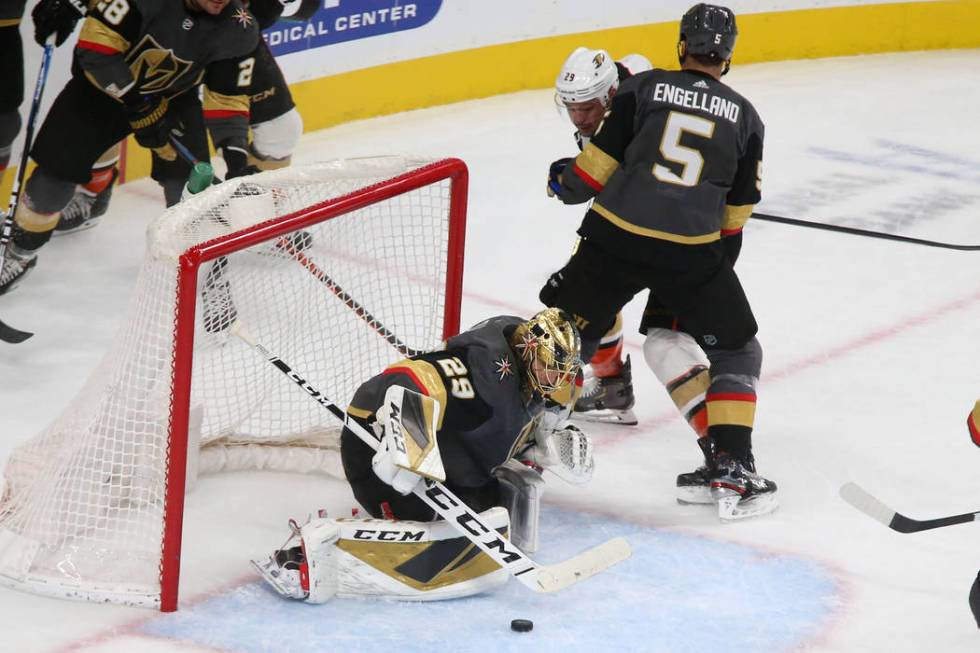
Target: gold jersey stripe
x,y
738,413
736,217
9,22
694,387
654,233
214,101
427,376
596,163
95,31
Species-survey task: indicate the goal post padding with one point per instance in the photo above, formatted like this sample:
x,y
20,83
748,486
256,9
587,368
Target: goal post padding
x,y
346,266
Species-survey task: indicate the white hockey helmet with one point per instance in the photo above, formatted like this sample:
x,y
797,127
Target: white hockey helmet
x,y
587,75
636,63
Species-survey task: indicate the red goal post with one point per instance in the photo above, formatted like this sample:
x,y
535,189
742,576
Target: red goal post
x,y
347,266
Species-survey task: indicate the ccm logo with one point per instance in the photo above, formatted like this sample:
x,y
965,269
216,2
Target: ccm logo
x,y
388,536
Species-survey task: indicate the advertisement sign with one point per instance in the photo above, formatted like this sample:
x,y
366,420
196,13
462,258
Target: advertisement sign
x,y
337,21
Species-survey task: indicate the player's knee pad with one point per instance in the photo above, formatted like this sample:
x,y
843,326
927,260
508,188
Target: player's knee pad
x,y
403,560
521,489
672,354
274,141
745,361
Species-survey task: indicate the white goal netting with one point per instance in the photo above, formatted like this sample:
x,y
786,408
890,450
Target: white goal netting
x,y
90,504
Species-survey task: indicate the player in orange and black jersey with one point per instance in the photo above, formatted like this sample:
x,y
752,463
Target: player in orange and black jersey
x,y
137,62
673,168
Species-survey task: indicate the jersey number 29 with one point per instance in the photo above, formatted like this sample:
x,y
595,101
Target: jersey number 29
x,y
456,372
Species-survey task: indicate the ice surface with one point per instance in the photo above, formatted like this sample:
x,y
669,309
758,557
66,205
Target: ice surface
x,y
871,366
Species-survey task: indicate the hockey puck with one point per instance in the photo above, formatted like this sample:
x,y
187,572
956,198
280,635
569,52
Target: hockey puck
x,y
522,625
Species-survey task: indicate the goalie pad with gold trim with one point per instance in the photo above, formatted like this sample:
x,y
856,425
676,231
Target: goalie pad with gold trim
x,y
409,449
403,560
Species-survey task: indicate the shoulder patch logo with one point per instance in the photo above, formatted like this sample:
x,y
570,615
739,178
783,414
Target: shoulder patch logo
x,y
700,84
504,367
243,18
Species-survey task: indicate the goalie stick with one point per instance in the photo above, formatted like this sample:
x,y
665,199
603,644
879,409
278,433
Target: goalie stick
x,y
540,578
861,499
7,332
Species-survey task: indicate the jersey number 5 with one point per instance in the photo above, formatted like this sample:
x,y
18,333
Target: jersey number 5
x,y
672,150
455,371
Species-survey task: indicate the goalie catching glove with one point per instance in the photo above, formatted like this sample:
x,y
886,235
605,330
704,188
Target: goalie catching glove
x,y
566,452
408,450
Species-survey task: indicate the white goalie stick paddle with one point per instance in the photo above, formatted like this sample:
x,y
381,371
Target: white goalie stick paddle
x,y
540,578
861,499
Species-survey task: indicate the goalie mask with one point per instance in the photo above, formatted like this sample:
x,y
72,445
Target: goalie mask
x,y
549,346
587,75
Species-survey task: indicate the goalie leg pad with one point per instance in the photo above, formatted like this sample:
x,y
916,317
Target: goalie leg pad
x,y
402,560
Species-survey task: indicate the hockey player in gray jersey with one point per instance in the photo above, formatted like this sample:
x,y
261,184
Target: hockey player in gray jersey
x,y
137,62
673,169
483,404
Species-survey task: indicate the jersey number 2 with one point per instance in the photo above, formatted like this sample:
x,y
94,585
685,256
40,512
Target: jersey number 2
x,y
672,150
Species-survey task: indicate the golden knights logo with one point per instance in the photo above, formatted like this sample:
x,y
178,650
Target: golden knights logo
x,y
154,67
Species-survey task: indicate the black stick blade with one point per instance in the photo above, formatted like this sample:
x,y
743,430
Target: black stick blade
x,y
12,335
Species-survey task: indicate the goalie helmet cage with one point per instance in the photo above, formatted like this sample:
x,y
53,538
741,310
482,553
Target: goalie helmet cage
x,y
346,266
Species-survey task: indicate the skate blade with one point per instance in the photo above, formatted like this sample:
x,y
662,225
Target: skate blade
x,y
694,496
85,226
607,416
733,508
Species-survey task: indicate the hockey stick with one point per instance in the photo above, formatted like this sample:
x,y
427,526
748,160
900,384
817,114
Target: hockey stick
x,y
872,507
8,333
348,300
863,232
540,578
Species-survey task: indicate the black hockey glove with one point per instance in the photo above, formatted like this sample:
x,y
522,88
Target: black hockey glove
x,y
554,176
152,125
549,292
237,162
56,17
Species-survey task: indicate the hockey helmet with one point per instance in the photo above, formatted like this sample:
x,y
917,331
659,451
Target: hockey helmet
x,y
549,346
708,30
587,75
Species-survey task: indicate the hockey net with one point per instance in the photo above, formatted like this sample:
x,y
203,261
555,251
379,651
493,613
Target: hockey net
x,y
343,267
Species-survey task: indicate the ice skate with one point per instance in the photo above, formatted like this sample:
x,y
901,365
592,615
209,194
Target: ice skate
x,y
739,492
608,399
84,210
16,265
695,487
